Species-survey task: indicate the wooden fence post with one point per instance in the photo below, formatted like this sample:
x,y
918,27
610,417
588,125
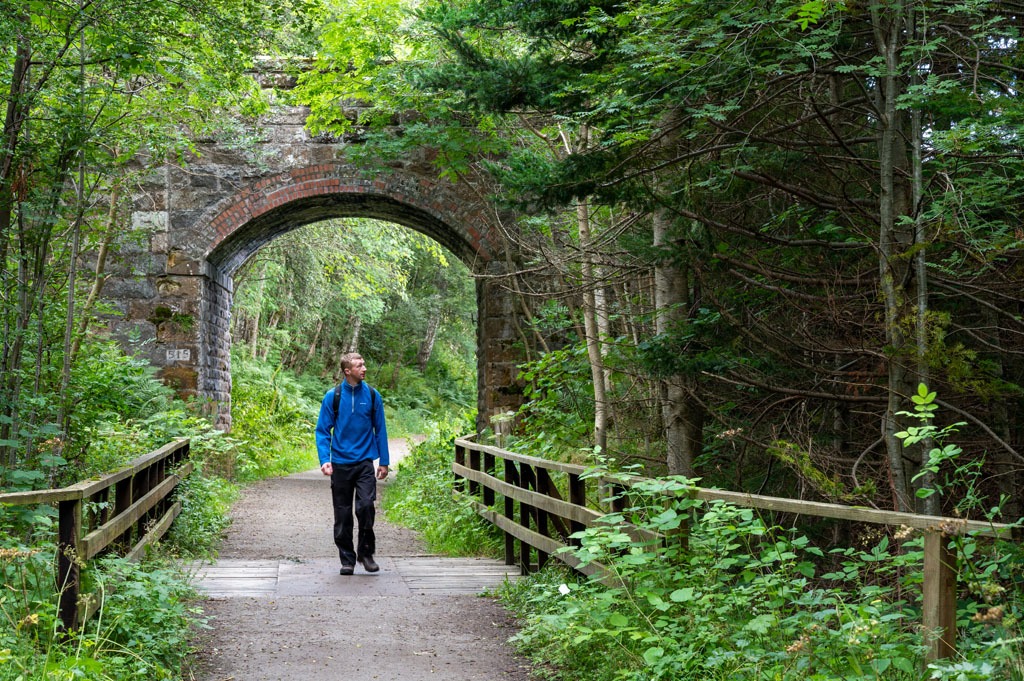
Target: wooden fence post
x,y
527,479
512,478
939,595
577,496
69,529
122,500
460,458
489,468
474,465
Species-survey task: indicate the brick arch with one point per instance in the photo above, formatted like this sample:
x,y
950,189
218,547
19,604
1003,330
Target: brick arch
x,y
242,223
236,226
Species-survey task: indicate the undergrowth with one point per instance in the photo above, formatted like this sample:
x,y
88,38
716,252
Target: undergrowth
x,y
741,599
141,630
421,498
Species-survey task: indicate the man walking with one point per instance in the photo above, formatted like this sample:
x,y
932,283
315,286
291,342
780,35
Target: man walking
x,y
350,434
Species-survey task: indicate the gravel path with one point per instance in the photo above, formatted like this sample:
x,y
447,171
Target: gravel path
x,y
332,627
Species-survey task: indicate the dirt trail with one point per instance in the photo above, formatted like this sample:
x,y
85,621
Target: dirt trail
x,y
317,625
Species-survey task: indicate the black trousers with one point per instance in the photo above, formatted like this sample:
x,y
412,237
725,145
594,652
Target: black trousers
x,y
347,481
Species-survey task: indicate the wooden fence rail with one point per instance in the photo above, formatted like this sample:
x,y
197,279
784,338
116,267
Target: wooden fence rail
x,y
545,522
120,512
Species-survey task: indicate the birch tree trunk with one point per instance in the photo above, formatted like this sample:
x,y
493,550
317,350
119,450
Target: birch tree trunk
x,y
311,352
426,348
99,272
254,326
591,331
356,325
682,418
588,284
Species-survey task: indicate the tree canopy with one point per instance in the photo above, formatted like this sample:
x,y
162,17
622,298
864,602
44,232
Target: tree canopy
x,y
795,213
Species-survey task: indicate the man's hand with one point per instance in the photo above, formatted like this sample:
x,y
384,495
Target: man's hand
x,y
327,468
382,472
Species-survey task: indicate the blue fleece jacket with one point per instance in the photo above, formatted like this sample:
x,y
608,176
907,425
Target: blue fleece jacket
x,y
348,436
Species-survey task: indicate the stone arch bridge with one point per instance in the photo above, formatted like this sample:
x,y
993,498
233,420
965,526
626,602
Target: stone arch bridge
x,y
204,219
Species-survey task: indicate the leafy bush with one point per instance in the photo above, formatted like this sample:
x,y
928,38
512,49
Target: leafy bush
x,y
141,632
740,599
421,498
559,413
205,504
273,420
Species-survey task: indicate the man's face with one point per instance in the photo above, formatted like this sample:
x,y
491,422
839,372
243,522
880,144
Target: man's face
x,y
357,371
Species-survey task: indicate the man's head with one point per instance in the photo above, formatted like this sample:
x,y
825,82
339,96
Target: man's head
x,y
353,366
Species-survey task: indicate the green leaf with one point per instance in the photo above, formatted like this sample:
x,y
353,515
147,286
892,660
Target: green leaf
x,y
684,595
617,619
904,665
761,624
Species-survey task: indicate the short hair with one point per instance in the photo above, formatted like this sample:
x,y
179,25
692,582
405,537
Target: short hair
x,y
348,359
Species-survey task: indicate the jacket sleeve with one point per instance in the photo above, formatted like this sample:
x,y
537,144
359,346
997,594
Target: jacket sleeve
x,y
380,428
325,428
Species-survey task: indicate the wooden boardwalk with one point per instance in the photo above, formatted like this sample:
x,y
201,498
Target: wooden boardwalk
x,y
279,611
406,575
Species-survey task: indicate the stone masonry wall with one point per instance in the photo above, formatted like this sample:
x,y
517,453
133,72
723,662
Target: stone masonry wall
x,y
172,291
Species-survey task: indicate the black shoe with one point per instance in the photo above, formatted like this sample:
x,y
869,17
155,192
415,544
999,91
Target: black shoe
x,y
347,569
368,564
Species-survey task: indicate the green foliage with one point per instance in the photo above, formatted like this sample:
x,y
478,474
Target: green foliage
x,y
742,599
142,630
361,36
272,420
724,119
924,412
558,414
303,300
945,471
108,90
421,498
205,505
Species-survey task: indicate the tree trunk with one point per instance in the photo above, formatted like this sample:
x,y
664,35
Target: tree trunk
x,y
682,417
13,121
894,239
275,320
311,352
426,348
99,272
254,329
591,332
356,326
427,345
931,505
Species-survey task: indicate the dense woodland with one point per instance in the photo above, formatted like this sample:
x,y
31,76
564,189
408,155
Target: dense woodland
x,y
751,231
362,285
773,246
764,226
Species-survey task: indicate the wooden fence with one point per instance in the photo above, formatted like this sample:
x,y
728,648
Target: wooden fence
x,y
120,512
544,522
